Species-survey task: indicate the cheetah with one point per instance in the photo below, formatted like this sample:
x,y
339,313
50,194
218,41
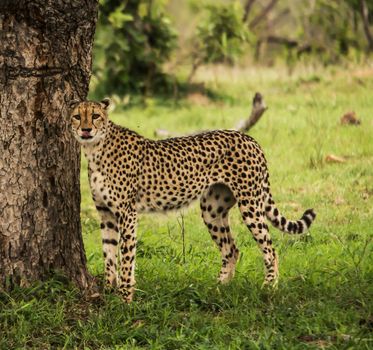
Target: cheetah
x,y
130,174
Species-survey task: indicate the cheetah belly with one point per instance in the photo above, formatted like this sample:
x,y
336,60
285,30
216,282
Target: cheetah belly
x,y
167,191
164,198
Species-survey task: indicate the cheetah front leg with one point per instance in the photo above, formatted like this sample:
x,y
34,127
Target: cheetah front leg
x,y
127,223
109,230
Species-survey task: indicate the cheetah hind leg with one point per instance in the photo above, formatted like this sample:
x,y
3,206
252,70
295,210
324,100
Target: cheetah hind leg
x,y
215,205
259,229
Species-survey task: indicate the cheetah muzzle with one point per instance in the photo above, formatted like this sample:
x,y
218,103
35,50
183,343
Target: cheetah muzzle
x,y
130,174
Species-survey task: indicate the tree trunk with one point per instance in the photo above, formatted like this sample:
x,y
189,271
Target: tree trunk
x,y
247,8
364,11
45,61
262,15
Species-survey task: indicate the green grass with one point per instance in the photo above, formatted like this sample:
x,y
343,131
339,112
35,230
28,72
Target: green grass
x,y
325,293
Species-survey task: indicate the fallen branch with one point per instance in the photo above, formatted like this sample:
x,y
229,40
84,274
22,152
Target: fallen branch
x,y
257,111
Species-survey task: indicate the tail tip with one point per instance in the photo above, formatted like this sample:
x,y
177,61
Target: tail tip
x,y
309,216
310,212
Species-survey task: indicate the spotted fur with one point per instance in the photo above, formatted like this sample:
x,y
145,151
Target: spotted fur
x,y
130,174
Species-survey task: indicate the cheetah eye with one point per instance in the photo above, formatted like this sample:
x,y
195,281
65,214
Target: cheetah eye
x,y
76,116
95,116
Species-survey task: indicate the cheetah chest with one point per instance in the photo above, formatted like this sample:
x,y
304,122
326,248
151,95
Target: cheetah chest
x,y
99,188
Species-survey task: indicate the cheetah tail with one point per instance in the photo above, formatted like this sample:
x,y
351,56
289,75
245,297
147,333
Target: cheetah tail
x,y
285,225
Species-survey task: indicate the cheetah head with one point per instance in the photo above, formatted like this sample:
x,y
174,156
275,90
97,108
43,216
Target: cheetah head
x,y
89,120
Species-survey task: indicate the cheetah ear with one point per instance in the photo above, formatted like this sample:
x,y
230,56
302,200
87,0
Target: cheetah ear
x,y
73,104
105,103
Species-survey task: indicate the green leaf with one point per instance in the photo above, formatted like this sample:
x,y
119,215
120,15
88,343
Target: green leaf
x,y
118,18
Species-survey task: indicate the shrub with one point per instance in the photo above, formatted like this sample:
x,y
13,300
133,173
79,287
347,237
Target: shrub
x,y
222,35
133,40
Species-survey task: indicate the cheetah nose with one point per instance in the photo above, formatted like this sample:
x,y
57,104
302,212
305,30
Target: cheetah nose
x,y
86,133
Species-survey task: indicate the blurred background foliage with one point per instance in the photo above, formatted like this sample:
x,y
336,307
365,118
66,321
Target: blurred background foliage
x,y
151,47
133,40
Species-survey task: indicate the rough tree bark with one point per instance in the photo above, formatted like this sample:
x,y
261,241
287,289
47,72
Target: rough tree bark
x,y
45,60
